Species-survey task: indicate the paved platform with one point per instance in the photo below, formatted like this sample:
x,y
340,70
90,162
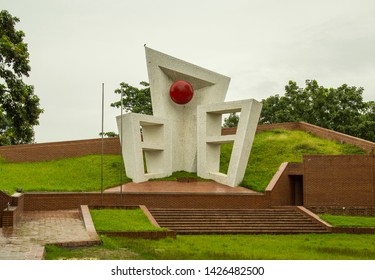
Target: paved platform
x,y
27,239
179,187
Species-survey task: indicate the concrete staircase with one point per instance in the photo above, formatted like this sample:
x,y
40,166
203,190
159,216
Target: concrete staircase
x,y
237,221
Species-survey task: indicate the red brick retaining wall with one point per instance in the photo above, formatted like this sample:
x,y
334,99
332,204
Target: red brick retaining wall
x,y
56,201
344,211
4,199
340,182
278,188
58,150
343,180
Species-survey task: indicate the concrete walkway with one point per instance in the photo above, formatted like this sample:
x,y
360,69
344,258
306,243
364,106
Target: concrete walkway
x,y
26,240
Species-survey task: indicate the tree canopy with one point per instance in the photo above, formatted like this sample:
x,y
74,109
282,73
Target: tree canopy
x,y
231,120
341,109
19,106
136,100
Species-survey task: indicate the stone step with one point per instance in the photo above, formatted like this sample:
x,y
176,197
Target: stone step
x,y
221,212
235,221
218,216
252,231
232,223
176,227
231,218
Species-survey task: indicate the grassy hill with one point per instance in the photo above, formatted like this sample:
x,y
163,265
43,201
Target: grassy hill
x,y
270,149
71,174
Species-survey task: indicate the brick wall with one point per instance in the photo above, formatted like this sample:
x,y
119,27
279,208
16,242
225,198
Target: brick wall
x,y
340,184
278,188
10,217
344,211
345,180
58,150
56,201
4,199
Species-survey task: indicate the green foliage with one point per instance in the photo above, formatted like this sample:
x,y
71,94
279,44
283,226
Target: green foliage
x,y
121,220
19,106
231,121
71,174
109,134
229,247
348,221
134,99
225,155
341,109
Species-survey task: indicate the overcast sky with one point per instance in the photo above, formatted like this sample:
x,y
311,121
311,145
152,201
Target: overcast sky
x,y
76,45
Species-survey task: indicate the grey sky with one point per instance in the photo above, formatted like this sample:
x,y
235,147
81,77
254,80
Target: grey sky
x,y
261,44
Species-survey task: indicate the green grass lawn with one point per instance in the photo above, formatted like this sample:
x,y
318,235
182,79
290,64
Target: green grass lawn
x,y
214,247
121,220
348,221
71,174
270,149
229,247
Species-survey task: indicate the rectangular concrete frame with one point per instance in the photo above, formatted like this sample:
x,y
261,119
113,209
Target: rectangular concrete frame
x,y
150,149
210,139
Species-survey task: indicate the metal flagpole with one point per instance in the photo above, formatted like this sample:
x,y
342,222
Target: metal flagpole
x,y
102,158
122,159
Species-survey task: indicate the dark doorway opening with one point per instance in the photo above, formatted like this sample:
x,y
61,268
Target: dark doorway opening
x,y
296,186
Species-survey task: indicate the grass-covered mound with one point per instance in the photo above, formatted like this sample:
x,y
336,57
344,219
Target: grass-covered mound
x,y
270,149
71,174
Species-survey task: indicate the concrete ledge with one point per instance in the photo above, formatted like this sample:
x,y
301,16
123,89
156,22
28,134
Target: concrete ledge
x,y
89,225
314,217
276,177
149,216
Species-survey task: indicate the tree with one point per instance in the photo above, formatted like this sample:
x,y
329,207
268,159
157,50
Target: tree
x,y
341,109
231,121
134,99
19,106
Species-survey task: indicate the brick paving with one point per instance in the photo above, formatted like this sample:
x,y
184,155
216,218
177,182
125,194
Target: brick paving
x,y
27,239
179,187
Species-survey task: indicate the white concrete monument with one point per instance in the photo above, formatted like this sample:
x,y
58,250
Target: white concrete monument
x,y
185,131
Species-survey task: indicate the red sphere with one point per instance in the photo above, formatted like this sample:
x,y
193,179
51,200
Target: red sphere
x,y
181,92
